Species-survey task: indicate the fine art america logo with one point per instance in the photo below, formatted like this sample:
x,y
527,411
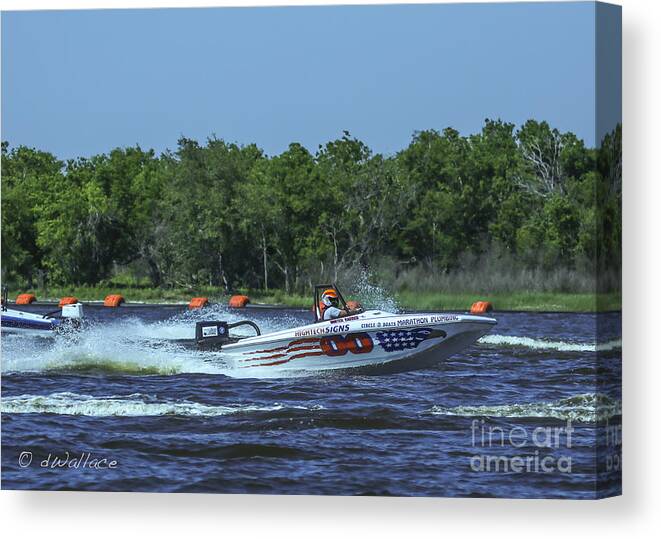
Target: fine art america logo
x,y
536,448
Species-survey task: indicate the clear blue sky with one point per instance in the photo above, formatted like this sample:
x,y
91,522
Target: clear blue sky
x,y
83,82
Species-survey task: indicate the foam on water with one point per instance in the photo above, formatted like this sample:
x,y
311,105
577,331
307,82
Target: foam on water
x,y
583,408
133,346
123,347
135,405
102,347
540,344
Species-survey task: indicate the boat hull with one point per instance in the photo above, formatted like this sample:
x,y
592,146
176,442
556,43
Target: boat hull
x,y
29,324
371,343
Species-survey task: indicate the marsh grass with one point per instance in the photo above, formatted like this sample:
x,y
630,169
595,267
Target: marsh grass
x,y
410,300
499,279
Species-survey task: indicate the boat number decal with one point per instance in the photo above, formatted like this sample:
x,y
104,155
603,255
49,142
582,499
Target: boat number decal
x,y
334,345
339,345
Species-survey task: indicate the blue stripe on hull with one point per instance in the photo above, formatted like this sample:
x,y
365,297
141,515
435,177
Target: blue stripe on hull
x,y
21,323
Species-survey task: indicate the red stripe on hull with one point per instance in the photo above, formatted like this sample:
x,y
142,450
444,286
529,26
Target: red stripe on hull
x,y
280,362
289,351
281,348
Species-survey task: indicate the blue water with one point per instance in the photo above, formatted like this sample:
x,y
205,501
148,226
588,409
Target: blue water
x,y
523,413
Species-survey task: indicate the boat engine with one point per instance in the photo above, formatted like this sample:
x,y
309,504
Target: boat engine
x,y
212,335
73,311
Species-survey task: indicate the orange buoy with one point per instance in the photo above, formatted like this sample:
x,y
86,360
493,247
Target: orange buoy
x,y
198,303
113,300
68,300
238,302
481,307
353,305
25,299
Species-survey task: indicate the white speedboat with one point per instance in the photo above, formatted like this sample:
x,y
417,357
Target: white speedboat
x,y
34,324
369,342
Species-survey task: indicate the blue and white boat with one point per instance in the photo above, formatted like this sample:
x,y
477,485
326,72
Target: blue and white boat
x,y
33,324
362,342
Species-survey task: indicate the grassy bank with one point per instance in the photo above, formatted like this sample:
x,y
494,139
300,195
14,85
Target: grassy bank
x,y
461,301
515,301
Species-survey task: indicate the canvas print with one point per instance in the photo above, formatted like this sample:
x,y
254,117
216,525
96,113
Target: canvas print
x,y
339,250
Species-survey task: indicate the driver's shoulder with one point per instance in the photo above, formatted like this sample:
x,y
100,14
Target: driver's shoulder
x,y
332,313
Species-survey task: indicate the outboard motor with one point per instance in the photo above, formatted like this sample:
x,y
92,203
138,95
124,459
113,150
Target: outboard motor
x,y
73,311
71,318
211,335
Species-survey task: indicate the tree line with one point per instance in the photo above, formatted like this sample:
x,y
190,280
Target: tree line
x,y
228,215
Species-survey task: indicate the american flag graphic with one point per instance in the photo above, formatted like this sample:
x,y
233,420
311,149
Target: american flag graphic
x,y
283,354
397,340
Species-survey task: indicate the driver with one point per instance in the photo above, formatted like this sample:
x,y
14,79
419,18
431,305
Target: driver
x,y
331,306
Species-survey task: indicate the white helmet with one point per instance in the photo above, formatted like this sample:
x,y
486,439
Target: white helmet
x,y
329,297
